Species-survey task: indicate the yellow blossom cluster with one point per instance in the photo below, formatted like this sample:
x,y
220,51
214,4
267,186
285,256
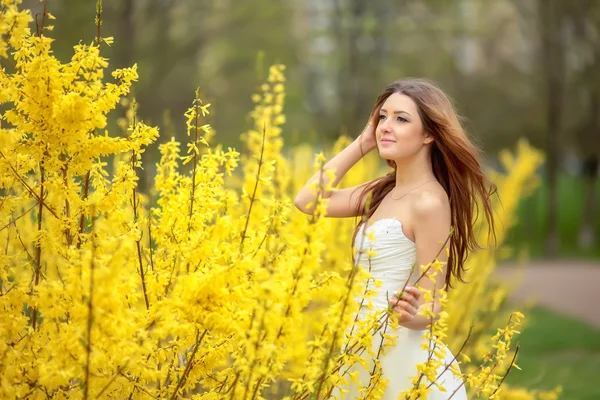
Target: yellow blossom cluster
x,y
210,287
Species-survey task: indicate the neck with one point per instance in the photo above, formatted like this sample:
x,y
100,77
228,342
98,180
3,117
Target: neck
x,y
414,170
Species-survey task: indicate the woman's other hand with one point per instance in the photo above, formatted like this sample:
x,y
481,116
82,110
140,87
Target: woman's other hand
x,y
406,306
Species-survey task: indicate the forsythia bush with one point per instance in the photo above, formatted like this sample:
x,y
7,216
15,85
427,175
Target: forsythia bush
x,y
211,287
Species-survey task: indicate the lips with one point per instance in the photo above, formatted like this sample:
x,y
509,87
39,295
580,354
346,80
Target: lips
x,y
387,141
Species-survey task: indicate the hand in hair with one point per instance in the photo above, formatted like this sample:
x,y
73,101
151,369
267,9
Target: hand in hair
x,y
367,139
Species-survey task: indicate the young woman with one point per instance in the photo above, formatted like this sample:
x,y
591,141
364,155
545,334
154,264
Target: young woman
x,y
436,184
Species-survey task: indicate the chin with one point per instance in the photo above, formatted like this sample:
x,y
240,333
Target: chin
x,y
388,155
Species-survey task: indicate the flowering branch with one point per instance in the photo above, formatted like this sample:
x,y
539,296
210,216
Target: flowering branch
x,y
98,21
90,319
150,242
139,240
14,220
29,189
65,171
454,358
188,367
86,182
40,29
512,363
256,349
193,188
38,250
253,198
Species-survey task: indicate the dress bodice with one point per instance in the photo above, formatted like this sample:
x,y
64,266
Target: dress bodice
x,y
391,260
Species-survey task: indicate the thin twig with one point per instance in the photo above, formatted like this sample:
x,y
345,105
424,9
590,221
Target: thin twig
x,y
86,185
431,348
90,316
168,378
110,382
65,171
139,253
193,188
253,198
86,188
455,356
256,347
19,217
333,341
98,21
150,242
138,242
375,362
189,364
508,370
38,250
40,29
29,189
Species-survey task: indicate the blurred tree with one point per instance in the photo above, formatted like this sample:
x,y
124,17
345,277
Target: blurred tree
x,y
242,40
552,59
497,83
584,23
346,47
125,31
361,67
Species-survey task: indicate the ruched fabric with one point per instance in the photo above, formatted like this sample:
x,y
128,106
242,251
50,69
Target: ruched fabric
x,y
390,256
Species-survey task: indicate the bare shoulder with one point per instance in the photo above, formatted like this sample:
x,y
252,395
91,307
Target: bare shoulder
x,y
431,205
431,222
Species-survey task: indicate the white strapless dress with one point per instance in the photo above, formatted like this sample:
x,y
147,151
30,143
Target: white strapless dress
x,y
392,265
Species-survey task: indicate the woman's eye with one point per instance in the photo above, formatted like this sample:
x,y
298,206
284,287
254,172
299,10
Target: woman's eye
x,y
400,119
381,116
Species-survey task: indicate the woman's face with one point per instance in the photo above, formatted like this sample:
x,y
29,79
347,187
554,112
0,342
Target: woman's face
x,y
400,131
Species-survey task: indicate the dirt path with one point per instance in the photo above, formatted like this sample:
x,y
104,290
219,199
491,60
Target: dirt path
x,y
567,287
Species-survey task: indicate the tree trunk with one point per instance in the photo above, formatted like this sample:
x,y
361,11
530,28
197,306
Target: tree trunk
x,y
126,34
583,18
367,53
553,63
354,82
589,146
587,231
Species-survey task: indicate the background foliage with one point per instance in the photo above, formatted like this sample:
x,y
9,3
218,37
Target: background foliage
x,y
516,69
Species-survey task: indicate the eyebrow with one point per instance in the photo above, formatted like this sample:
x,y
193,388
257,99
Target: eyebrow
x,y
397,112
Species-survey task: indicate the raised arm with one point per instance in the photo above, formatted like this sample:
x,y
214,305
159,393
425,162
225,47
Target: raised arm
x,y
344,202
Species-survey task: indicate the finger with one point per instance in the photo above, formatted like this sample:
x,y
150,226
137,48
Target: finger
x,y
398,299
394,302
401,312
405,307
414,291
410,299
406,295
397,295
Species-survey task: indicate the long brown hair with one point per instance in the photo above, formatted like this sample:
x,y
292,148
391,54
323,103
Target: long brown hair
x,y
456,165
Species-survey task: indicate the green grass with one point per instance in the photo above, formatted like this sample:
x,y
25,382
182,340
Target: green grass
x,y
558,350
530,232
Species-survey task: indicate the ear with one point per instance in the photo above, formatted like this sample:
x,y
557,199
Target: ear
x,y
428,138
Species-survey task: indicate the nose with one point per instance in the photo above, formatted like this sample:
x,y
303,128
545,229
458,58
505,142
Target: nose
x,y
383,126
